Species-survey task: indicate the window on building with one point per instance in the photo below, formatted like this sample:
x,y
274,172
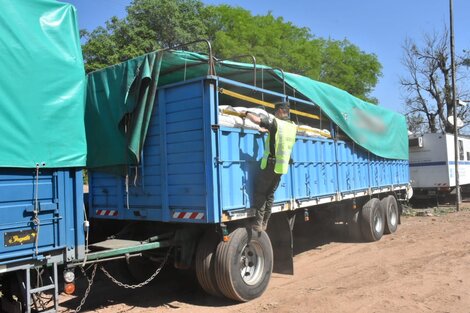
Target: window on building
x,y
461,154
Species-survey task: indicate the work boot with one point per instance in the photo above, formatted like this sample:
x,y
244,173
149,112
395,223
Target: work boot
x,y
266,217
258,223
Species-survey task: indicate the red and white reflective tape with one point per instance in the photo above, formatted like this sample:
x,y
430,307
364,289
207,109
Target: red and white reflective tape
x,y
106,212
188,215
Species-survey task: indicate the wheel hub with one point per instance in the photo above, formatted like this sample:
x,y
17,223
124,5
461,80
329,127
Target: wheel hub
x,y
393,216
252,263
377,222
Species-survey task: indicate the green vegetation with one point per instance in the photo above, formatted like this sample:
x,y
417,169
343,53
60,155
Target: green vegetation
x,y
408,210
154,24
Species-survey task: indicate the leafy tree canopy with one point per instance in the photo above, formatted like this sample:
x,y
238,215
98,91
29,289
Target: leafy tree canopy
x,y
153,24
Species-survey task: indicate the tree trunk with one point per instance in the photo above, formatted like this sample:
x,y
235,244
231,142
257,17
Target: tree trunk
x,y
432,123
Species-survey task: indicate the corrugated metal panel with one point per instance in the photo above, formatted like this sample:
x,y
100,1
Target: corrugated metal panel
x,y
185,146
239,152
314,168
60,213
171,178
192,173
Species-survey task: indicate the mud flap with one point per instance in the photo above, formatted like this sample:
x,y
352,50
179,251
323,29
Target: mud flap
x,y
185,242
280,233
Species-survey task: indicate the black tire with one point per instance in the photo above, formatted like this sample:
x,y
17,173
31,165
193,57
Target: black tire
x,y
390,207
372,220
244,264
205,263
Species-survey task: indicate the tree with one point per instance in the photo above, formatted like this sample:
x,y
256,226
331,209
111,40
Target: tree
x,y
154,24
281,44
235,31
345,66
149,26
428,85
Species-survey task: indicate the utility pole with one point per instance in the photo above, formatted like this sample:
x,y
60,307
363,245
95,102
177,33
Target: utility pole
x,y
454,101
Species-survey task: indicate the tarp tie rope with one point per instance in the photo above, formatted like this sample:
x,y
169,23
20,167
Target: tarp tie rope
x,y
296,116
136,175
127,189
262,83
126,127
36,220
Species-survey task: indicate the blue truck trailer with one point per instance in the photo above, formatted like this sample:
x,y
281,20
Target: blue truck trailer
x,y
41,227
164,169
42,151
169,181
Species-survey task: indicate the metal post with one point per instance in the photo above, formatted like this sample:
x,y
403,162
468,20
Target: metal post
x,y
28,291
456,152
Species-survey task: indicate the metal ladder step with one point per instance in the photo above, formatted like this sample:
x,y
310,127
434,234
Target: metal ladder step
x,y
50,311
42,289
32,291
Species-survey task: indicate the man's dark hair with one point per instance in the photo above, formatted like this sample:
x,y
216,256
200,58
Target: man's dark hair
x,y
282,105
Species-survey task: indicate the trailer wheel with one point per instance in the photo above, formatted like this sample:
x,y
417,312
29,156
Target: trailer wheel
x,y
205,263
390,207
372,220
244,264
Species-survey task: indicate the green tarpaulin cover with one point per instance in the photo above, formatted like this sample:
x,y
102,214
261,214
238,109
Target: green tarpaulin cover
x,y
381,131
42,85
120,100
119,105
115,136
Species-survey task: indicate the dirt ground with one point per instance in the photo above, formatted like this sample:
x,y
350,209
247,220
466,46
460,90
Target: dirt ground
x,y
423,267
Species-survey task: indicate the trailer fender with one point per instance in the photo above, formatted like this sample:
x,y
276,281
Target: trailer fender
x,y
280,233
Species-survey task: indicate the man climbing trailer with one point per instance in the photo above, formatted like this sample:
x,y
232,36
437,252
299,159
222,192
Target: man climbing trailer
x,y
275,161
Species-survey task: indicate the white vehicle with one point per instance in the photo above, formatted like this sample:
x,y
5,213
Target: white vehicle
x,y
432,162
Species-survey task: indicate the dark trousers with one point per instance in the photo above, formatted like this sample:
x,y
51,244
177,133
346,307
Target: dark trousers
x,y
266,184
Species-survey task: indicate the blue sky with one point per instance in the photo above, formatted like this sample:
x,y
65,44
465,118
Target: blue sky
x,y
376,26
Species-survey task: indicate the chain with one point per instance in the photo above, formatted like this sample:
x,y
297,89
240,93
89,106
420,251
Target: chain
x,y
90,283
146,282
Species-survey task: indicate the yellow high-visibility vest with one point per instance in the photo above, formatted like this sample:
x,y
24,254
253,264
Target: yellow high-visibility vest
x,y
285,139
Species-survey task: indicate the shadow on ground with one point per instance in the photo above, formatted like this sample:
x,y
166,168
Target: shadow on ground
x,y
314,234
176,288
172,289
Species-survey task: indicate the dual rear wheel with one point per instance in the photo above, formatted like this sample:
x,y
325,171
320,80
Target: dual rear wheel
x,y
239,269
376,218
